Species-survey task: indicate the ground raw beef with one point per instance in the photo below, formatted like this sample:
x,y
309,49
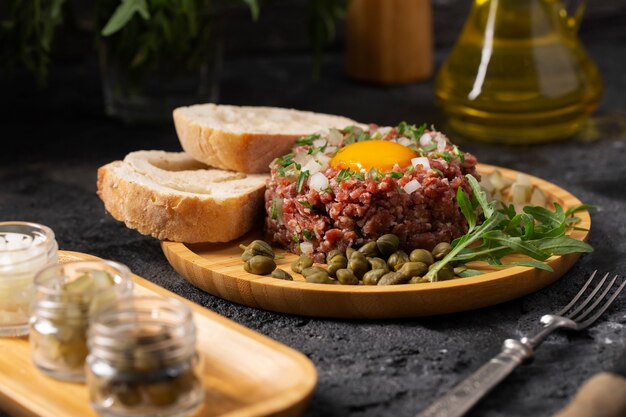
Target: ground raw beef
x,y
311,214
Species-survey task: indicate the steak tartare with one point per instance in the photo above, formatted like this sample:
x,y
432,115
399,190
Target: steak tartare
x,y
342,188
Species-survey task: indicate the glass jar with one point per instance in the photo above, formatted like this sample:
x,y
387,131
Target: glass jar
x,y
142,359
25,248
66,295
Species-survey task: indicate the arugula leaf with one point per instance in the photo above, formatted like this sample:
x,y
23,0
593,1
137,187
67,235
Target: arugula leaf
x,y
562,245
481,197
466,208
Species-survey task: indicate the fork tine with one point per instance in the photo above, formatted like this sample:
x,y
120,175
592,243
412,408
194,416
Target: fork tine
x,y
588,299
580,293
606,305
598,299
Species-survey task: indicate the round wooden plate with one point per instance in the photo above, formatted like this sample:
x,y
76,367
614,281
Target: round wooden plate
x,y
218,269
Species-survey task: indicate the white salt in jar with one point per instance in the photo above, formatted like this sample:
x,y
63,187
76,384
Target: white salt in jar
x,y
25,249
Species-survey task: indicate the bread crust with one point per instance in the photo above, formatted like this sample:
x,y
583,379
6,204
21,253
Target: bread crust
x,y
176,216
249,152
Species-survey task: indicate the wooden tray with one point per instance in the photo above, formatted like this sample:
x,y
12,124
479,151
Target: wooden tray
x,y
218,269
245,374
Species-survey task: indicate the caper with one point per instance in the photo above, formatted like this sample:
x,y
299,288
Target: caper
x,y
421,255
302,263
369,249
458,270
281,274
418,280
378,263
257,247
332,254
441,250
337,263
358,264
349,252
312,270
161,393
346,277
259,265
127,394
318,277
388,244
446,272
413,269
372,277
393,278
396,260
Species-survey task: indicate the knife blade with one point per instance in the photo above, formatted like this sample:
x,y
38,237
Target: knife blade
x,y
603,395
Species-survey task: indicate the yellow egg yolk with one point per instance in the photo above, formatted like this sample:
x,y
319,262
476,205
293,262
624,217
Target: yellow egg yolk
x,y
368,154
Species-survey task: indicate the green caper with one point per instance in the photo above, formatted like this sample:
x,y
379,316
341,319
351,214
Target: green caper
x,y
318,277
127,394
302,263
161,393
458,270
369,249
418,280
259,265
358,264
413,269
388,244
372,277
349,252
393,278
396,260
347,277
332,254
441,250
281,274
447,272
312,270
378,263
337,263
257,247
421,255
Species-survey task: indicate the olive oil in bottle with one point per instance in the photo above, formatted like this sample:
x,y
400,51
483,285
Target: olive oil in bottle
x,y
518,74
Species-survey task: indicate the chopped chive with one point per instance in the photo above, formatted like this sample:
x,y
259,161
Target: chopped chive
x,y
301,179
307,234
344,174
295,238
437,171
306,204
395,174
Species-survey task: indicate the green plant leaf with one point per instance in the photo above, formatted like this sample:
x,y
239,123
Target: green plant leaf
x,y
123,13
562,245
466,208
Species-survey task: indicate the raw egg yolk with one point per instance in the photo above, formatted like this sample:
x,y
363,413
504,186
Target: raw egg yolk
x,y
368,154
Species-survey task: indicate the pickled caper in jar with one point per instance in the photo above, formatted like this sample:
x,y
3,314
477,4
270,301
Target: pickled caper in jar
x,y
372,277
421,255
259,265
441,250
396,260
302,263
346,277
369,249
388,244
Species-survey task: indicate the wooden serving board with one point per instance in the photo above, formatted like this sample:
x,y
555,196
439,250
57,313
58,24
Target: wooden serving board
x,y
245,374
218,269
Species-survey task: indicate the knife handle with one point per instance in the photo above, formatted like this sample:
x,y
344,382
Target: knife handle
x,y
603,395
464,396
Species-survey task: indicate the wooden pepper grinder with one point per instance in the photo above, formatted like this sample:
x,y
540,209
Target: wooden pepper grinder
x,y
389,41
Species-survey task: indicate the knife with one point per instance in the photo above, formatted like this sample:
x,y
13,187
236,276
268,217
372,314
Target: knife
x,y
603,395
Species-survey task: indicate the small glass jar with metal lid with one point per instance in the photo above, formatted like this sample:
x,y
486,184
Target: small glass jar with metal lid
x,y
143,359
65,298
25,248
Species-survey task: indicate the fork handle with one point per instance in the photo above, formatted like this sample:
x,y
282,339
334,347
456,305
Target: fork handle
x,y
460,399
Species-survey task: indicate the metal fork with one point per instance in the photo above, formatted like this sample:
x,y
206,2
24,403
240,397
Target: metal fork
x,y
575,316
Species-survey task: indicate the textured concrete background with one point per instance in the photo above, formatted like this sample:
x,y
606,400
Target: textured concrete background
x,y
54,140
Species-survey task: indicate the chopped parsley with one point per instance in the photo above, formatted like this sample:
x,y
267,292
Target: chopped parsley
x,y
395,174
295,238
308,235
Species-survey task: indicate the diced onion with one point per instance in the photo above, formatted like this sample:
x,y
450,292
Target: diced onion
x,y
404,141
412,186
523,180
425,139
301,158
520,193
423,161
441,143
318,181
312,166
538,198
318,143
323,160
330,149
384,130
306,248
497,180
334,137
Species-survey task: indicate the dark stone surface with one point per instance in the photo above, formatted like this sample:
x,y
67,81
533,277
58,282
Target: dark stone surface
x,y
54,140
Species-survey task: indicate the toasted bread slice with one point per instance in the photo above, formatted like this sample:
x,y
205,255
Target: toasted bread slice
x,y
171,196
246,138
